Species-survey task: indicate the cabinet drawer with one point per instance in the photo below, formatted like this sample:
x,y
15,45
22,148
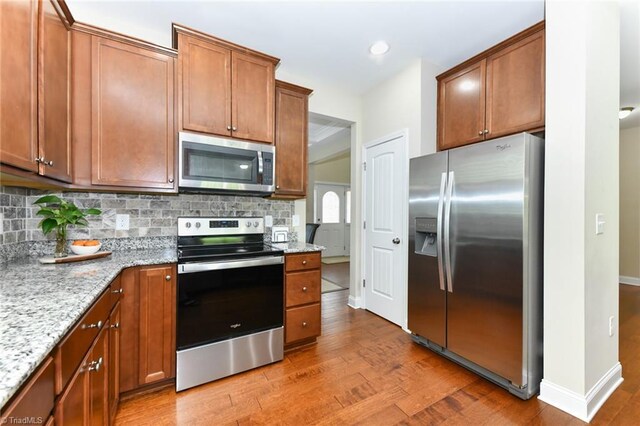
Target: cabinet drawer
x,y
302,323
116,290
36,398
302,261
302,288
76,344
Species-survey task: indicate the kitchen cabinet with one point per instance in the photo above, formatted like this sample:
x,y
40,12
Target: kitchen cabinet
x,y
496,93
113,370
224,89
123,113
34,88
302,298
148,319
35,400
292,116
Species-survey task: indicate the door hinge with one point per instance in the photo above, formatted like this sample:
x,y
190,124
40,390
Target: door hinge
x,y
364,283
364,224
364,166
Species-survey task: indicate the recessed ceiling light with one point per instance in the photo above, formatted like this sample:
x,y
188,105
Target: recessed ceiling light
x,y
379,48
624,112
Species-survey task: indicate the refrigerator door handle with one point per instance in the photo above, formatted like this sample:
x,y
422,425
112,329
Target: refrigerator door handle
x,y
439,239
447,233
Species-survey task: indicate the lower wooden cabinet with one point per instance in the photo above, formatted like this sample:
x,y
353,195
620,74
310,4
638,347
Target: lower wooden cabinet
x,y
113,370
148,326
302,298
35,401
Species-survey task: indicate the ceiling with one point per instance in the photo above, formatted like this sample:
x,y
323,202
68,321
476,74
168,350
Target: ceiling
x,y
327,41
322,127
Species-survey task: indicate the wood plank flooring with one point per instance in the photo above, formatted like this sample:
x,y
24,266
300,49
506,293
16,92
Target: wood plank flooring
x,y
367,371
337,273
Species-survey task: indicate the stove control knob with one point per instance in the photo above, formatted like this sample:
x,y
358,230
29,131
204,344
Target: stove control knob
x,y
198,224
256,223
187,225
248,223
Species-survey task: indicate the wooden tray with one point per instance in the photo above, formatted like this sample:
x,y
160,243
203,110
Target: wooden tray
x,y
74,257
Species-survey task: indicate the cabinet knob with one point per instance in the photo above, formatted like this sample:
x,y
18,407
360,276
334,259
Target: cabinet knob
x,y
228,127
118,291
168,278
95,365
170,180
486,131
96,325
38,160
304,289
304,262
116,325
50,163
304,323
277,186
234,128
480,132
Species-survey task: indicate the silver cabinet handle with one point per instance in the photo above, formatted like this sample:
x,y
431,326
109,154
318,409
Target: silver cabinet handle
x,y
118,291
277,186
116,325
96,325
447,232
168,278
304,289
396,240
480,132
39,160
304,262
50,163
486,131
95,365
228,127
439,239
170,180
304,324
234,128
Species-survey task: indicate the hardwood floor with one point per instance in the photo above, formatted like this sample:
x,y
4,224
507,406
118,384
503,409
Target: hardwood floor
x,y
365,370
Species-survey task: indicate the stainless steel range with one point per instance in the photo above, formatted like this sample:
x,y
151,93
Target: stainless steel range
x,y
230,299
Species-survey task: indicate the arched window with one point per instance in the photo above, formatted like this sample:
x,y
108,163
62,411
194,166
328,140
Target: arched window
x,y
330,207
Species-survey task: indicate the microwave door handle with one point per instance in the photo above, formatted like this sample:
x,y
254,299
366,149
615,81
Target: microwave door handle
x,y
260,163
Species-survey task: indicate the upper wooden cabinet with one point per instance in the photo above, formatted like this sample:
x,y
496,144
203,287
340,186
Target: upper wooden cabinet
x,y
123,112
224,89
35,47
292,117
496,93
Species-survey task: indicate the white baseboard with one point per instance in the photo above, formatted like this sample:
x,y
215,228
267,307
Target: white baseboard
x,y
586,406
355,302
630,280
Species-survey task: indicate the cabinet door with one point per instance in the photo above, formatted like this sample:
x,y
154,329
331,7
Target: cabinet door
x,y
129,325
54,136
113,369
157,287
132,138
98,379
205,82
73,405
252,97
461,106
291,142
18,84
515,87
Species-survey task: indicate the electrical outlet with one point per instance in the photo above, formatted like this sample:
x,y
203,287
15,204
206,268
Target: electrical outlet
x,y
122,222
1,223
268,221
611,326
295,220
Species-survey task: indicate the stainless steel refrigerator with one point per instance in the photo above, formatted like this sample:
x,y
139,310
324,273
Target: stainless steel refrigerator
x,y
475,258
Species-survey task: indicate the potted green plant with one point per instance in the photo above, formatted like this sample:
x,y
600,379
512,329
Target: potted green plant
x,y
57,215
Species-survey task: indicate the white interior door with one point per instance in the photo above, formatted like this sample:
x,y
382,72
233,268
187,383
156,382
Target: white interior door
x,y
385,215
330,208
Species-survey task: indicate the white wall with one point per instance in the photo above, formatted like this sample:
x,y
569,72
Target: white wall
x,y
630,203
429,106
581,179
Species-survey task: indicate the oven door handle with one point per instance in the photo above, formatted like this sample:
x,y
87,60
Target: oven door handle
x,y
188,268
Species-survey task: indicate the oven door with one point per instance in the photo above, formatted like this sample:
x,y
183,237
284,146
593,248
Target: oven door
x,y
210,163
226,299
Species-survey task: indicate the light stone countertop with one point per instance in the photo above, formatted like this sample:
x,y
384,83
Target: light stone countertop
x,y
39,304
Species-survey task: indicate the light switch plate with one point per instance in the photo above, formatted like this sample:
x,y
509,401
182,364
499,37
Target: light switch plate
x,y
600,223
268,221
122,222
295,220
1,223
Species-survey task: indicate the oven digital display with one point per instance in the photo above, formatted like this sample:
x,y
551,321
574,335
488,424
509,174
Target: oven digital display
x,y
223,224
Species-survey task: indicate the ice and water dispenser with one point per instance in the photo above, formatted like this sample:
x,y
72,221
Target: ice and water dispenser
x,y
426,236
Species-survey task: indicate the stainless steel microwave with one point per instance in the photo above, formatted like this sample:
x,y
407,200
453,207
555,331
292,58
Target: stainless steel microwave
x,y
214,164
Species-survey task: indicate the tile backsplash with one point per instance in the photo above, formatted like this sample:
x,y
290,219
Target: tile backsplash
x,y
152,218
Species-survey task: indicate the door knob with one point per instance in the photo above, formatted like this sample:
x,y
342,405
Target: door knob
x,y
396,240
